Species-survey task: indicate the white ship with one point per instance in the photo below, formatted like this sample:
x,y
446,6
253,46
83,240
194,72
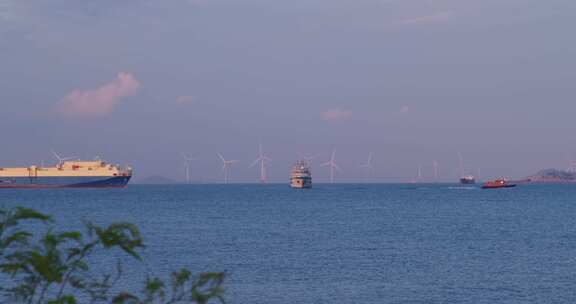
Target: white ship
x,y
300,176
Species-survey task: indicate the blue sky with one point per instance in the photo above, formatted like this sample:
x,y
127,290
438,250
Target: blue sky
x,y
415,81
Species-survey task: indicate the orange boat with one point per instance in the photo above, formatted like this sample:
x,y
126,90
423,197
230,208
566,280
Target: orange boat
x,y
497,183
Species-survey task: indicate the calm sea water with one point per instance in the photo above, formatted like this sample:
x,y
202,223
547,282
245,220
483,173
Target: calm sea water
x,y
344,243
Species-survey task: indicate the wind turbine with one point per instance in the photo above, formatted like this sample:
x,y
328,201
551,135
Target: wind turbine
x,y
435,167
419,179
571,164
478,174
226,167
60,159
461,163
308,159
369,165
187,161
262,159
333,166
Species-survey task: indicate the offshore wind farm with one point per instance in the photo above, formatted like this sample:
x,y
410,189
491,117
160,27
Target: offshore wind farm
x,y
329,171
273,152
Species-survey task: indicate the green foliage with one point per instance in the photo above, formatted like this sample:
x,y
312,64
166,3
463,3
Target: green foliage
x,y
53,268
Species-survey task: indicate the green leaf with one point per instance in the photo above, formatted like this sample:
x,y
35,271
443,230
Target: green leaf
x,y
181,277
70,235
67,299
208,286
47,266
22,213
125,298
123,235
154,287
17,237
12,268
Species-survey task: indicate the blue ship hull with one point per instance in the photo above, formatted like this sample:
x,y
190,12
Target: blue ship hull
x,y
65,182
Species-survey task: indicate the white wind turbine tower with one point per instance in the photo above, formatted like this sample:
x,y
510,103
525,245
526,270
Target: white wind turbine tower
x,y
461,164
333,166
226,167
187,162
369,165
60,159
419,173
571,164
435,167
262,159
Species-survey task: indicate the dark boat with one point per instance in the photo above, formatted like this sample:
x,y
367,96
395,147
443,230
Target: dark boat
x,y
497,183
467,180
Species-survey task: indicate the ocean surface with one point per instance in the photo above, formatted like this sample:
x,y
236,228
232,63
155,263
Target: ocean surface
x,y
343,243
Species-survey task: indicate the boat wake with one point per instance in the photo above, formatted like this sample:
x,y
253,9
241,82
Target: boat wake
x,y
462,188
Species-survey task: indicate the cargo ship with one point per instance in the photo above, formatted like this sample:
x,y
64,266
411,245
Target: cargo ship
x,y
300,175
67,174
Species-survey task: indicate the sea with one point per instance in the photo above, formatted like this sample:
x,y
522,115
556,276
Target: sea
x,y
340,243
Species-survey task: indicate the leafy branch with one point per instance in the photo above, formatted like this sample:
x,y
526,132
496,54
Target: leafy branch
x,y
54,268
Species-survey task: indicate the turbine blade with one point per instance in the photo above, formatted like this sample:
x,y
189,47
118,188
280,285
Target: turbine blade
x,y
221,157
255,162
56,155
336,166
309,158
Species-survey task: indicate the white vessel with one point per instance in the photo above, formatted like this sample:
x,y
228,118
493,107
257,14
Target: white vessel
x,y
300,176
468,179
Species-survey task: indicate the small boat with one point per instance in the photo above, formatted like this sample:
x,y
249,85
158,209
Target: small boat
x,y
467,180
497,183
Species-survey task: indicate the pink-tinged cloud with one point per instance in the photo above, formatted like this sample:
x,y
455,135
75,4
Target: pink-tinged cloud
x,y
100,101
429,19
405,109
336,115
185,99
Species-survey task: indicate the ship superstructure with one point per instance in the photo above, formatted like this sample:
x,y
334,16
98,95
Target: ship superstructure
x,y
468,179
300,175
88,174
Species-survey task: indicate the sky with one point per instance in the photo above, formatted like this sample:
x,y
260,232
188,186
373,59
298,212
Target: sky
x,y
139,82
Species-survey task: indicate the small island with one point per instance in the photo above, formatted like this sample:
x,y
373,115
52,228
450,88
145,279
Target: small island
x,y
553,176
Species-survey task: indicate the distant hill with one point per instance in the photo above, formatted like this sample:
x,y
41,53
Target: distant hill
x,y
155,180
553,176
